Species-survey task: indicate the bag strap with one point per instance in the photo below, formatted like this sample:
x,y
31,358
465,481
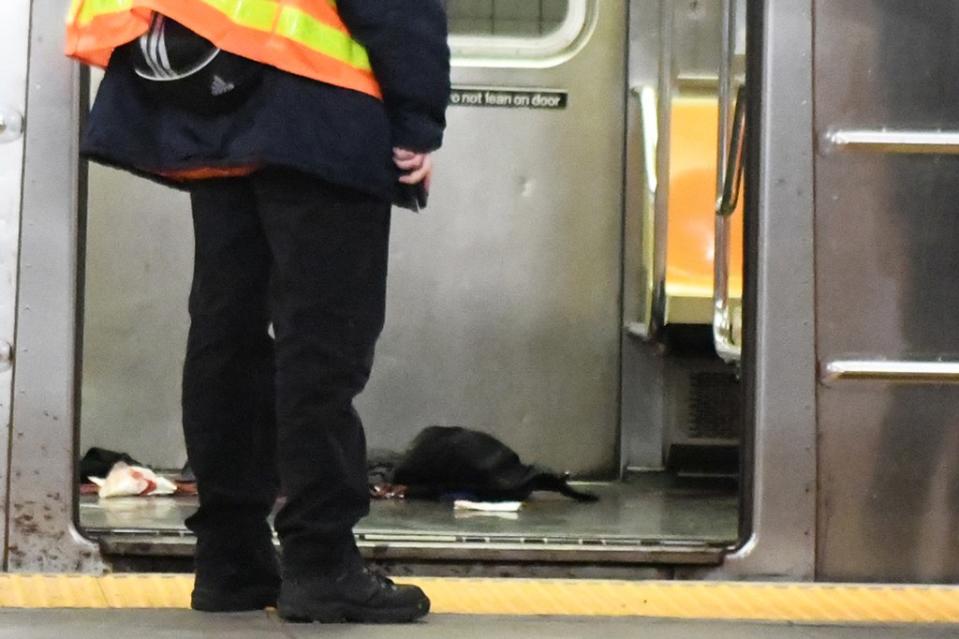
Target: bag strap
x,y
560,484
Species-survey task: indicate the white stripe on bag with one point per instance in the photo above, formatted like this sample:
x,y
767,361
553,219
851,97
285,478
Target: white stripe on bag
x,y
164,56
155,45
146,44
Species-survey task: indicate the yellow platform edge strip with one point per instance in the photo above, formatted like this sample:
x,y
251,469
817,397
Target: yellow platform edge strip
x,y
802,603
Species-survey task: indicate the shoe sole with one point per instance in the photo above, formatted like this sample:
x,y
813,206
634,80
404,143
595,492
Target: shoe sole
x,y
350,613
213,601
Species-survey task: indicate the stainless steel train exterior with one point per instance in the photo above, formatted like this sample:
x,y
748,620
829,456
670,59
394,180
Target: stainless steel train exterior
x,y
530,299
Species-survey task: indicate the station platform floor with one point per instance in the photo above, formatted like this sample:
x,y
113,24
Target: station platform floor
x,y
178,624
148,606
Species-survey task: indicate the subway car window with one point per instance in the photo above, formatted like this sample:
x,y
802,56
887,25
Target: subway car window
x,y
506,18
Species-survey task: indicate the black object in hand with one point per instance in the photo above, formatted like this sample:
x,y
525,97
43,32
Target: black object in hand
x,y
411,196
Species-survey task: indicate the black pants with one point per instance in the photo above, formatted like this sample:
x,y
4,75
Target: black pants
x,y
310,258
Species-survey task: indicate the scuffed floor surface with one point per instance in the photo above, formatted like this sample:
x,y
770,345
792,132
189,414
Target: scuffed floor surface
x,y
181,624
650,506
178,624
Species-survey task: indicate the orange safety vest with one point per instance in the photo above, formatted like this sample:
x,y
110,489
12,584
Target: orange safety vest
x,y
304,37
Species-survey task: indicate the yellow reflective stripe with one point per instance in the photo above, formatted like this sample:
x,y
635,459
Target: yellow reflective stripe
x,y
304,29
86,11
252,14
261,15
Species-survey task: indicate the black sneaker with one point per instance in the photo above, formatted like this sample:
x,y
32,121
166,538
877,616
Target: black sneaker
x,y
236,599
244,578
352,593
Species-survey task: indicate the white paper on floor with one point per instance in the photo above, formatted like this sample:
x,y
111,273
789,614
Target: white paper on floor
x,y
488,506
129,481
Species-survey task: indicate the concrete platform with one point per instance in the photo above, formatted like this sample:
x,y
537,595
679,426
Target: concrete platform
x,y
181,624
807,603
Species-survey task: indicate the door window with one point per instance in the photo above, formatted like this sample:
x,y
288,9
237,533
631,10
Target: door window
x,y
511,33
529,18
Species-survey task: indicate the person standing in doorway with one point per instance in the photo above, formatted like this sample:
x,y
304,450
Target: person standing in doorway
x,y
293,124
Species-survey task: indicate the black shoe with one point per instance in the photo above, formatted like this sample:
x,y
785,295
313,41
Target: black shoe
x,y
220,599
235,577
351,593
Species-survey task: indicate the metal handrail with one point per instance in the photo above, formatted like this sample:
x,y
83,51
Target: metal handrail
x,y
728,187
663,150
656,113
649,122
893,141
733,181
898,371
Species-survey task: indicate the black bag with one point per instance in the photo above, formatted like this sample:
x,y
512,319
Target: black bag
x,y
98,462
445,460
181,68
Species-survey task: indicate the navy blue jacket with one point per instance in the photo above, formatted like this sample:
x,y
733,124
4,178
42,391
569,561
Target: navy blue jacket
x,y
342,136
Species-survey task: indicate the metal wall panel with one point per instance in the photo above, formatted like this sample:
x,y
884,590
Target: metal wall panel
x,y
505,298
504,304
886,227
779,364
42,477
14,30
139,256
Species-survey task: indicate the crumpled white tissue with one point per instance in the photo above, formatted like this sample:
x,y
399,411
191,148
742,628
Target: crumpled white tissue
x,y
129,481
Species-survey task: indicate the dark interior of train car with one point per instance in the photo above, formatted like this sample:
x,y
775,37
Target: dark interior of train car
x,y
598,344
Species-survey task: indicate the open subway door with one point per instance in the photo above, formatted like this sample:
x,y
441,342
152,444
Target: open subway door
x,y
507,301
505,306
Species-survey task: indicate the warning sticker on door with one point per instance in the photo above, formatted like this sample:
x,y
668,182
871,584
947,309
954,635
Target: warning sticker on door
x,y
509,98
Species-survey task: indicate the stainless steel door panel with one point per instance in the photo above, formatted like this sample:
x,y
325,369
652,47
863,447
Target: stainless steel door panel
x,y
884,230
139,247
890,495
41,532
886,265
779,340
14,30
504,299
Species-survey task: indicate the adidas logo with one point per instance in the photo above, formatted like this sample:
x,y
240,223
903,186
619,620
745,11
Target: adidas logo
x,y
219,86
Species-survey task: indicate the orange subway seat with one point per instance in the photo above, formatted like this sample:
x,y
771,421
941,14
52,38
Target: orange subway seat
x,y
692,204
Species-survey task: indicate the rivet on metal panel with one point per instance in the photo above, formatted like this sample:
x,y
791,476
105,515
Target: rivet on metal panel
x,y
11,124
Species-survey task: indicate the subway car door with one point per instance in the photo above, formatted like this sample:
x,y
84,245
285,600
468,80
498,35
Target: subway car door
x,y
504,296
504,302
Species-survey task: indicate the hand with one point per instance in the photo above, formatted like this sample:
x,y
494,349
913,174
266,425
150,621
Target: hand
x,y
418,167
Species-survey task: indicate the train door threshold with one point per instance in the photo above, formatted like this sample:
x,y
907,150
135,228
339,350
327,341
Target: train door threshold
x,y
646,519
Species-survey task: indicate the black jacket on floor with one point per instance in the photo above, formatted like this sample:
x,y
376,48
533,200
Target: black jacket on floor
x,y
342,136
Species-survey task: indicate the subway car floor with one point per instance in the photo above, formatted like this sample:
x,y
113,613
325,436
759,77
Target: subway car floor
x,y
645,508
